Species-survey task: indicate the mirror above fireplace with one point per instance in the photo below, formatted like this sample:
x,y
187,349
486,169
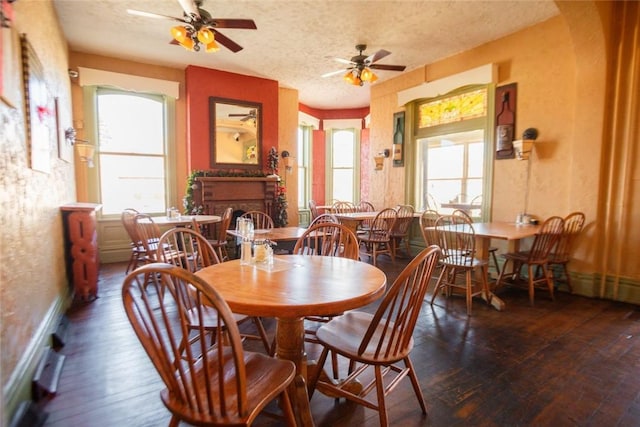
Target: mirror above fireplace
x,y
236,134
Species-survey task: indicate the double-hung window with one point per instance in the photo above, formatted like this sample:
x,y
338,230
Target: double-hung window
x,y
132,159
344,174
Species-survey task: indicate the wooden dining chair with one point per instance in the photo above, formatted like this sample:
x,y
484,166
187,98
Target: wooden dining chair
x,y
328,239
365,206
187,248
493,250
138,252
428,220
377,240
456,238
149,234
382,340
205,385
561,253
536,258
313,208
343,207
326,217
400,231
221,241
261,220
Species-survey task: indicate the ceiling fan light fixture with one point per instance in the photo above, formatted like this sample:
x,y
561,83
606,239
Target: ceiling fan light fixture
x,y
189,44
350,78
368,76
212,47
205,36
180,33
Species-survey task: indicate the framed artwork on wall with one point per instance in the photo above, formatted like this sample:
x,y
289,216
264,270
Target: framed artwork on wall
x,y
10,71
398,139
39,107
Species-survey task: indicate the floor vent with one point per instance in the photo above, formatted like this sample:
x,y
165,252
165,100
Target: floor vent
x,y
45,380
59,337
29,415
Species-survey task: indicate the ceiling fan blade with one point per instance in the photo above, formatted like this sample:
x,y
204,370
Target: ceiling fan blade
x,y
335,73
377,56
189,7
227,42
344,61
152,15
388,67
245,24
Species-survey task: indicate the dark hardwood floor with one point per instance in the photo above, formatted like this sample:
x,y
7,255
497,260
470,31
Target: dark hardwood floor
x,y
572,362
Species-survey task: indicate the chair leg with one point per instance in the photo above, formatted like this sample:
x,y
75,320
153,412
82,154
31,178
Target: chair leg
x,y
531,284
416,384
439,283
495,261
549,278
263,336
382,407
469,286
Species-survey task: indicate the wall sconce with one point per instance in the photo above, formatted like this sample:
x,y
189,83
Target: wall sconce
x,y
523,147
379,158
287,160
84,148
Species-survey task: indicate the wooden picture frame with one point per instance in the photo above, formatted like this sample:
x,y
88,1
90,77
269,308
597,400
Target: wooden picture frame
x,y
398,139
10,70
39,107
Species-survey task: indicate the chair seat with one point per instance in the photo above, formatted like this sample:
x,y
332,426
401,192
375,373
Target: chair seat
x,y
343,334
266,378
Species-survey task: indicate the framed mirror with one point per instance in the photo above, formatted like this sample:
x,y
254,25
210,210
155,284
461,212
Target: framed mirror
x,y
236,133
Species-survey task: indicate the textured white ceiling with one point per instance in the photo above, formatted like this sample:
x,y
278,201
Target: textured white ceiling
x,y
296,40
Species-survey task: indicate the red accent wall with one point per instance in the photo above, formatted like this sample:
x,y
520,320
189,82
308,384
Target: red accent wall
x,y
200,84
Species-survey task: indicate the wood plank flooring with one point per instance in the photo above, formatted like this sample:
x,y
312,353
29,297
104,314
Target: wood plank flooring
x,y
572,362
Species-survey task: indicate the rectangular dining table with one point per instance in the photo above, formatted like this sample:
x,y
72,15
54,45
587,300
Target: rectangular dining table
x,y
510,231
293,287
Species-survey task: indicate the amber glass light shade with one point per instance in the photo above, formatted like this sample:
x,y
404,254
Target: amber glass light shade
x,y
188,44
368,76
212,47
205,35
179,33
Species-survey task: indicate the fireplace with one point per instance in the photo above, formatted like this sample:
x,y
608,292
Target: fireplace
x,y
215,194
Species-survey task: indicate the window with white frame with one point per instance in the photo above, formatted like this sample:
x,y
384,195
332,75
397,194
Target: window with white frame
x,y
344,182
132,151
452,152
304,171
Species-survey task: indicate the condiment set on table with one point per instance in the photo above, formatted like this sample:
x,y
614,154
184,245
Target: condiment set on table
x,y
253,251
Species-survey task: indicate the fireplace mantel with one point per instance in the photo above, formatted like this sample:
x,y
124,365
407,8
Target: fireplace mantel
x,y
215,194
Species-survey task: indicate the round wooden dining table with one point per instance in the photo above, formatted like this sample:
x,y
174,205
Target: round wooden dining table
x,y
295,286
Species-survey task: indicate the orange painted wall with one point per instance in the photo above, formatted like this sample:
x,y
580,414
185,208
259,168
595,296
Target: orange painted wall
x,y
202,83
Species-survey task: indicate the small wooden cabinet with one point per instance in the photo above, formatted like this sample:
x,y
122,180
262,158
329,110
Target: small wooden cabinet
x,y
81,248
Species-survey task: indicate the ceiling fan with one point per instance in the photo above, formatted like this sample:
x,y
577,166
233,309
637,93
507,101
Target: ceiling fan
x,y
199,28
252,114
361,66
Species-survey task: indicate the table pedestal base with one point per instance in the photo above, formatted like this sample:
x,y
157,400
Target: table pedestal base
x,y
290,346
